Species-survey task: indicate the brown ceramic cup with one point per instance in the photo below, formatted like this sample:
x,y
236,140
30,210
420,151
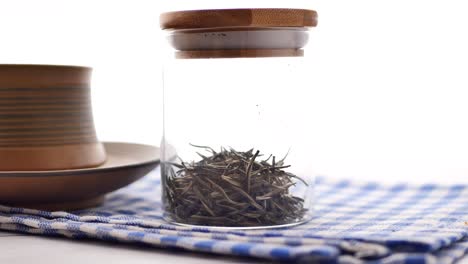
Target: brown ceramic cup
x,y
46,121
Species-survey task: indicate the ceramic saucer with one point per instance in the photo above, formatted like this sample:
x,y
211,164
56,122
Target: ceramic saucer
x,y
78,188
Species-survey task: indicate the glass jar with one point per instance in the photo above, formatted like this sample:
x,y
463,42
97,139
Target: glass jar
x,y
234,147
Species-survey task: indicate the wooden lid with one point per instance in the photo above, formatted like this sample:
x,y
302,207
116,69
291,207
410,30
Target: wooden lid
x,y
239,53
219,18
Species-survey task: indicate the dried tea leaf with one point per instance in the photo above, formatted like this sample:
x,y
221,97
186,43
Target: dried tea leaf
x,y
231,187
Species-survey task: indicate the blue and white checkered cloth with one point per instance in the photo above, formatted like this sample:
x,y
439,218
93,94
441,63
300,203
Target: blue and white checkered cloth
x,y
353,223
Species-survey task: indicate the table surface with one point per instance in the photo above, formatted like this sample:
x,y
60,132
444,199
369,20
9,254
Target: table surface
x,y
21,248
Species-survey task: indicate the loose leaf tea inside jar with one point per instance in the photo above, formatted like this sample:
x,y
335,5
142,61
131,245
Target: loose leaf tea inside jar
x,y
232,188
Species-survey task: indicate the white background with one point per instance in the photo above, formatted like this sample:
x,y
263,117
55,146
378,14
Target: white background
x,y
390,77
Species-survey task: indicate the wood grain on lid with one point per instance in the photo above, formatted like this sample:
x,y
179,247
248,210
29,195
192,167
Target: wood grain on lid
x,y
219,18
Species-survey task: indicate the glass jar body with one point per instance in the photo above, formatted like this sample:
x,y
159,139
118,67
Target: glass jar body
x,y
234,147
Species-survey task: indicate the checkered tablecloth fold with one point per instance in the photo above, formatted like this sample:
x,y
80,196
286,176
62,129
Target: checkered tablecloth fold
x,y
354,222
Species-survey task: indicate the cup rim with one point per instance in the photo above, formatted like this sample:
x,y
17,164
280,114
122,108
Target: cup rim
x,y
32,65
